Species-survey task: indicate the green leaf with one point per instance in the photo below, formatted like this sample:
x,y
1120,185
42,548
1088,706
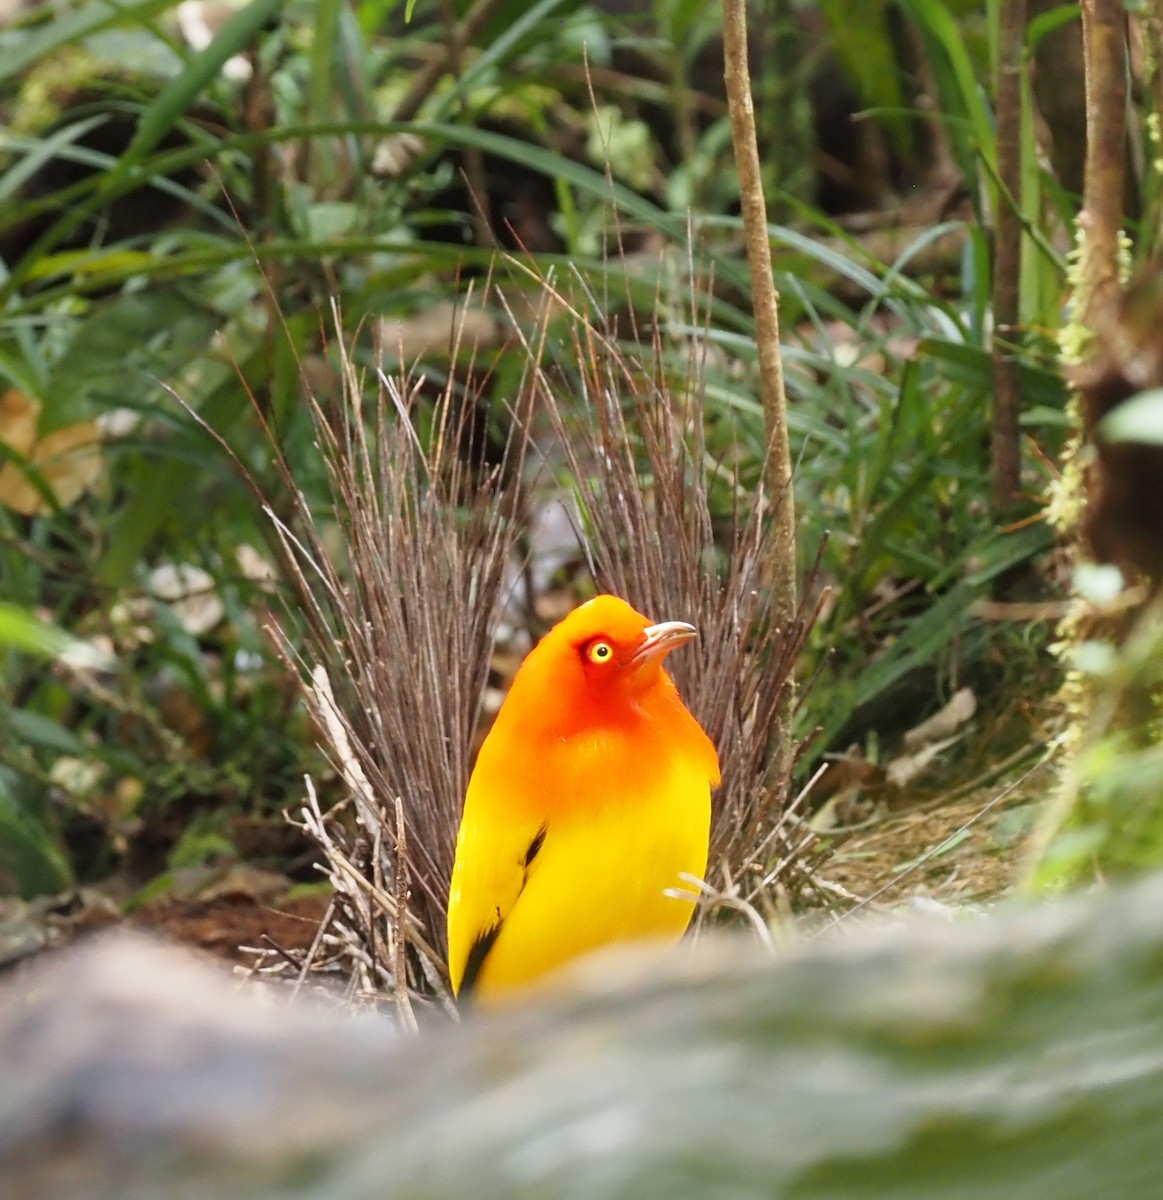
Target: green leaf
x,y
176,98
923,639
506,44
22,631
39,151
859,32
122,348
1139,419
36,729
31,863
1049,22
960,92
1006,549
28,49
971,365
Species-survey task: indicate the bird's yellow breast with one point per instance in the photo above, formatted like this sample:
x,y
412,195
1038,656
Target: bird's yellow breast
x,y
613,817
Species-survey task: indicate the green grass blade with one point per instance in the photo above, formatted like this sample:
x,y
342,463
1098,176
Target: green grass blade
x,y
20,630
497,51
31,864
35,152
177,97
32,48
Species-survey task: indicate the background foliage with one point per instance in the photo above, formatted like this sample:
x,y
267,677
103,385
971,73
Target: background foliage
x,y
176,216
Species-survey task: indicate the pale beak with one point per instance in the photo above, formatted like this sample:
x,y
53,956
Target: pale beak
x,y
660,640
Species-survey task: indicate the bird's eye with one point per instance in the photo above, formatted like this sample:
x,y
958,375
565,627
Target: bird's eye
x,y
600,652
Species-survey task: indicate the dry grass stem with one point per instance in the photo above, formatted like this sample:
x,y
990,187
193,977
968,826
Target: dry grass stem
x,y
395,629
629,425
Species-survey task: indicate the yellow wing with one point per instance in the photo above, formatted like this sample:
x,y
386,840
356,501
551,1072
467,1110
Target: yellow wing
x,y
495,850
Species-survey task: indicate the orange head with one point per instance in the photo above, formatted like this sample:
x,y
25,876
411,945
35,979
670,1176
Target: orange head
x,y
599,663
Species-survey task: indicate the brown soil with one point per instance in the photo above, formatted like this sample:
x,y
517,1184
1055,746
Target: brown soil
x,y
230,927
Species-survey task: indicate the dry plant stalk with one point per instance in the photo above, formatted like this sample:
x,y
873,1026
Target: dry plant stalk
x,y
781,568
397,633
1005,440
630,434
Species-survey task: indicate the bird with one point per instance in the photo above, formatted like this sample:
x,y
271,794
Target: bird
x,y
589,800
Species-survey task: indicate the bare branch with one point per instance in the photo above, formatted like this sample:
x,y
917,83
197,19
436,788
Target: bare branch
x,y
765,299
1007,259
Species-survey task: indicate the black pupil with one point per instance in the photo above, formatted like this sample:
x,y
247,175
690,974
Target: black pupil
x,y
601,650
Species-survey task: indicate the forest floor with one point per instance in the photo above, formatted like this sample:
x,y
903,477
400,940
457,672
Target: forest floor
x,y
944,818
956,841
956,848
967,848
958,833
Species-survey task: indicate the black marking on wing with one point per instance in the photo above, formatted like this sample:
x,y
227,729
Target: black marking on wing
x,y
488,938
534,848
476,960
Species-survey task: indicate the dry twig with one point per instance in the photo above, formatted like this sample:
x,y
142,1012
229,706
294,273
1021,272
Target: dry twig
x,y
396,632
631,433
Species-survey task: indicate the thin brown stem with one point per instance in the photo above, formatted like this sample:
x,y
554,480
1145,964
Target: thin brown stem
x,y
474,163
1007,259
765,300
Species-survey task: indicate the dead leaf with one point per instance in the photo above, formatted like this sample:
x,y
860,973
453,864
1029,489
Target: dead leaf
x,y
437,330
394,154
847,772
182,713
243,880
255,567
79,778
118,422
847,790
132,618
846,810
903,770
191,593
200,22
18,418
68,460
961,707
